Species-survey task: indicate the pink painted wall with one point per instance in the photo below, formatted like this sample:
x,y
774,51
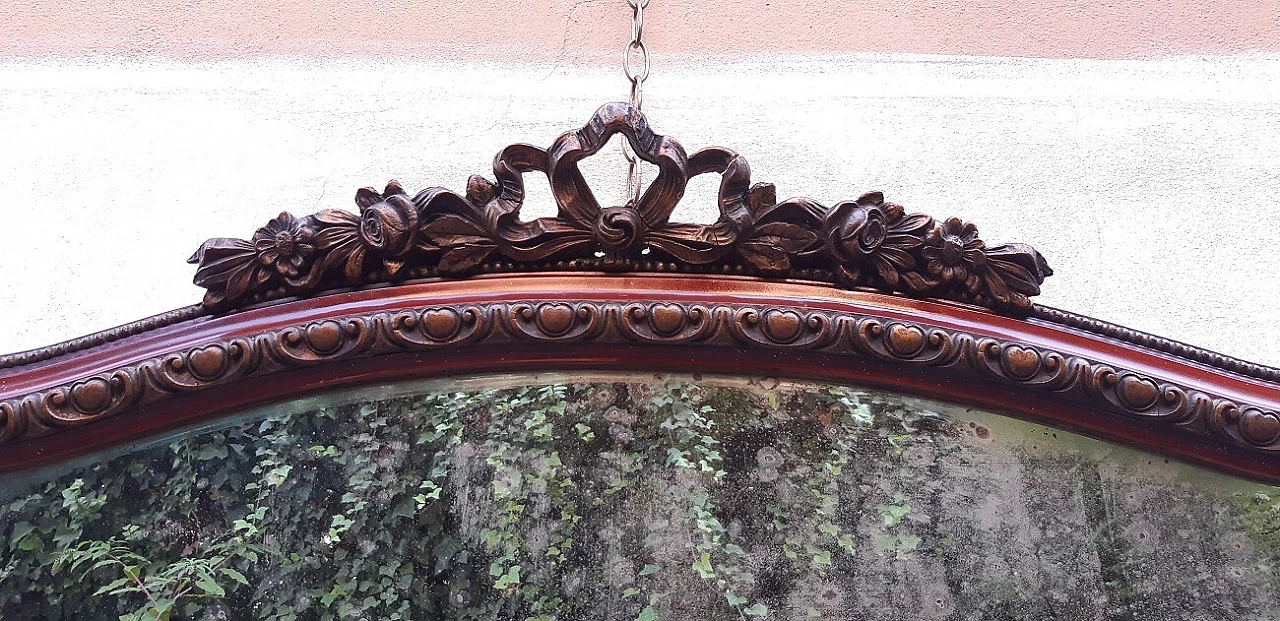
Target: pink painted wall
x,y
572,30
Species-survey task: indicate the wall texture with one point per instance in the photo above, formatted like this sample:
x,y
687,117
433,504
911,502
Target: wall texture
x,y
1135,146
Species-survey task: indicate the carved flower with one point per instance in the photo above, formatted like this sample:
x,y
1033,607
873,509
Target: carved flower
x,y
954,252
871,233
388,221
233,268
285,243
386,227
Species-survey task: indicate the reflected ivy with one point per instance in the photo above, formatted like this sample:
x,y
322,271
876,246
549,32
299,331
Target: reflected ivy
x,y
621,500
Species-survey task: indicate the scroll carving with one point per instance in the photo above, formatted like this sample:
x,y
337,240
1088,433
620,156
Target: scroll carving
x,y
867,242
1108,390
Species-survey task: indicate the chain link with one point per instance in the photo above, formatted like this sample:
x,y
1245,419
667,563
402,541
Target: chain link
x,y
635,63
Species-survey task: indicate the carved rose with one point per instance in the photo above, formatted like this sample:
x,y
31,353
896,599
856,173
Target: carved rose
x,y
386,227
954,253
871,233
285,244
388,221
855,230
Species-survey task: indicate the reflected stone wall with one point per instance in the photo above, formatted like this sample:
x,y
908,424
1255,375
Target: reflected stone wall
x,y
636,497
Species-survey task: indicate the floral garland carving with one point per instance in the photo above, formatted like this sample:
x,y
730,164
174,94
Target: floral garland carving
x,y
1102,387
866,242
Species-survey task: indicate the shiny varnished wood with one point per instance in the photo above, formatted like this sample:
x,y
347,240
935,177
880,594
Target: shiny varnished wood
x,y
199,369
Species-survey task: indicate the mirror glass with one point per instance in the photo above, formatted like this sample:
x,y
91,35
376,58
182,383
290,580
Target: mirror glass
x,y
628,496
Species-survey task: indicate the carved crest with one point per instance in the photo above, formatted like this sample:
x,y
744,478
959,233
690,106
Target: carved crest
x,y
865,242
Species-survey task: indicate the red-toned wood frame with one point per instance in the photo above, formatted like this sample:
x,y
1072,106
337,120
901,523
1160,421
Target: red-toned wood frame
x,y
1064,371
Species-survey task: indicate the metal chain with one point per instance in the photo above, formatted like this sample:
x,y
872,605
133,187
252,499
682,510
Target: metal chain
x,y
635,63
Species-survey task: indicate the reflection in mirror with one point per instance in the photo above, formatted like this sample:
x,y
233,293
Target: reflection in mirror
x,y
634,497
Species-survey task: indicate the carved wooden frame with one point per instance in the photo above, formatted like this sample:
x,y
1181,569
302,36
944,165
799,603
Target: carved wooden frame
x,y
442,284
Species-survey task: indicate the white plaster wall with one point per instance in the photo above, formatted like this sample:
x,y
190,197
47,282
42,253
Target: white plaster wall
x,y
1152,186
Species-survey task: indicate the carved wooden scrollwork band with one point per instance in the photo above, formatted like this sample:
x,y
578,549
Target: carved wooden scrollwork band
x,y
1108,390
437,233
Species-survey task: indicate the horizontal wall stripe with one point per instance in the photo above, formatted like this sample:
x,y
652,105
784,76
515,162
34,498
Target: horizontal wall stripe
x,y
594,30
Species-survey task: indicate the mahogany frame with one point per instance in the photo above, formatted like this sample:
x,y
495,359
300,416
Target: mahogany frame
x,y
197,369
861,293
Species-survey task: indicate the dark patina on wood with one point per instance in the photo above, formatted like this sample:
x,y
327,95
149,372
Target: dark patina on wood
x,y
865,242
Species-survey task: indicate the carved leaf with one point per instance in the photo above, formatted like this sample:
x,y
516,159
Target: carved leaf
x,y
913,224
916,283
886,269
545,247
449,230
848,275
1015,277
1011,273
197,257
367,196
996,287
353,266
764,256
480,190
217,255
465,258
762,197
871,199
339,217
791,238
802,211
1025,257
393,266
228,265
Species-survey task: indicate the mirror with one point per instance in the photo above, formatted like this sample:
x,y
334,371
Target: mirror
x,y
633,496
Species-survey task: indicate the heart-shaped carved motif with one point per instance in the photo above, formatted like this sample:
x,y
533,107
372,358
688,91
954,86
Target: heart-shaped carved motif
x,y
782,326
208,362
1260,428
324,337
904,341
1136,393
555,319
667,319
91,396
441,324
1020,362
